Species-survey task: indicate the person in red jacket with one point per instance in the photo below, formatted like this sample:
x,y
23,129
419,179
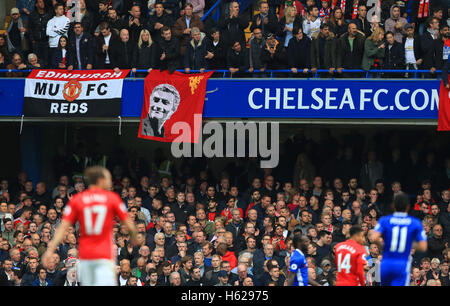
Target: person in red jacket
x,y
226,255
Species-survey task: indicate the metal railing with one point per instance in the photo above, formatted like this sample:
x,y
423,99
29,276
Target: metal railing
x,y
270,73
215,15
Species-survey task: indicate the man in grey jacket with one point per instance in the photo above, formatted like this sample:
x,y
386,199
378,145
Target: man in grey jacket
x,y
257,44
396,24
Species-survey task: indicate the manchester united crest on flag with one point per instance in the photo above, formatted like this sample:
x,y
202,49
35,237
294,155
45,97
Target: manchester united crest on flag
x,y
89,93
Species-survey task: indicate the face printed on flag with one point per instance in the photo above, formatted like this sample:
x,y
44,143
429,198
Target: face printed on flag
x,y
171,101
164,101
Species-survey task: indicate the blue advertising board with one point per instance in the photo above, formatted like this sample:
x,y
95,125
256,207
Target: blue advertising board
x,y
283,98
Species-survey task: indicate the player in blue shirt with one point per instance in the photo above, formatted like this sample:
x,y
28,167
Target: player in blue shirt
x,y
298,266
398,231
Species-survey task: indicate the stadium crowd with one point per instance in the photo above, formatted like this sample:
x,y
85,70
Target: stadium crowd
x,y
300,36
235,229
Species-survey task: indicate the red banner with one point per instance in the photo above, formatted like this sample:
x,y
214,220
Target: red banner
x,y
173,106
444,109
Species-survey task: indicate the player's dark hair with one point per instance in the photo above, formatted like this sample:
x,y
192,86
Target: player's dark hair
x,y
355,229
401,202
93,174
297,241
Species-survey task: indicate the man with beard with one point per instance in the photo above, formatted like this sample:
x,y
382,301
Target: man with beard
x,y
164,101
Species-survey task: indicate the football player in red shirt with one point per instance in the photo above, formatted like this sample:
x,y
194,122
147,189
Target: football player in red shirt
x,y
95,209
351,259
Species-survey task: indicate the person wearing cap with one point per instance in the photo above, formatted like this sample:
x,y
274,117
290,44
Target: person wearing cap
x,y
15,32
223,278
273,56
325,278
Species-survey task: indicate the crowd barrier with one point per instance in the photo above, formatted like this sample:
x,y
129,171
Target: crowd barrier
x,y
308,98
359,73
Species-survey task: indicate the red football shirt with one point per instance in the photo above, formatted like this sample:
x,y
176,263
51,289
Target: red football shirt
x,y
95,209
18,220
350,262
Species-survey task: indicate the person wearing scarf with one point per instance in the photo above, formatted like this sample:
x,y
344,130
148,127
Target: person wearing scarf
x,y
273,56
15,32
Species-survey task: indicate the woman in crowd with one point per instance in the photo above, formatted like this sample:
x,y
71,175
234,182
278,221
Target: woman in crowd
x,y
337,22
374,50
290,21
61,55
144,54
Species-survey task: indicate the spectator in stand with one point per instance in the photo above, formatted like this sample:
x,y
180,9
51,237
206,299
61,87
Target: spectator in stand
x,y
273,55
102,11
17,64
195,56
237,59
215,50
267,21
61,55
2,61
87,19
4,47
34,62
232,27
298,52
361,21
323,50
115,22
183,26
136,24
299,8
80,48
289,21
124,51
168,51
411,45
396,24
350,50
26,8
427,43
107,44
394,57
56,27
311,24
337,22
15,33
144,55
157,20
198,6
37,26
347,7
257,45
441,48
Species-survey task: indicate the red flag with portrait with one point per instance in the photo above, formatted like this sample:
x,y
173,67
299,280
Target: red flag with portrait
x,y
173,106
444,109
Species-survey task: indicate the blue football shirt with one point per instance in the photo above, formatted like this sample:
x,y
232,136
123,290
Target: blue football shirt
x,y
399,231
299,266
